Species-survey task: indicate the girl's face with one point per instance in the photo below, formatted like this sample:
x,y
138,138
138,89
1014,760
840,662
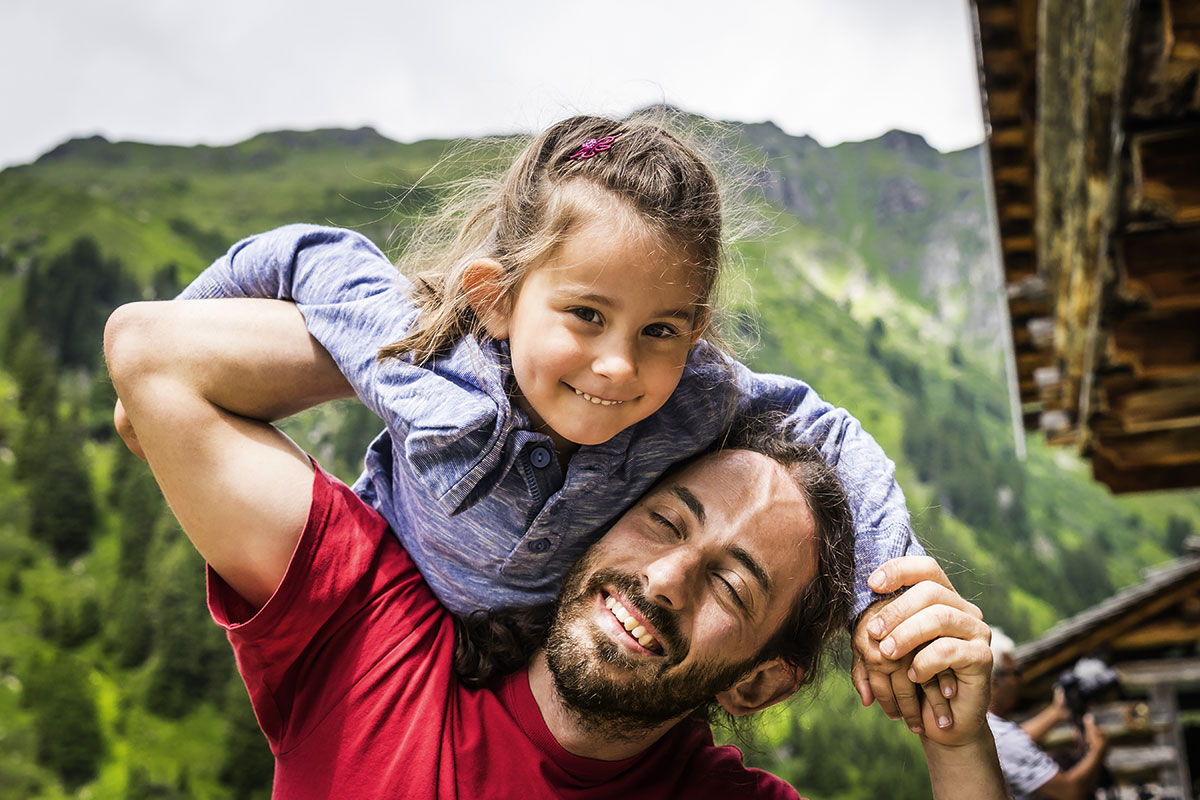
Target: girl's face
x,y
600,332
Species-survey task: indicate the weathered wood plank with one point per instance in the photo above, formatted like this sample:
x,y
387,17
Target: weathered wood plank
x,y
1143,479
1166,173
1164,345
1148,405
1162,266
1162,633
1164,448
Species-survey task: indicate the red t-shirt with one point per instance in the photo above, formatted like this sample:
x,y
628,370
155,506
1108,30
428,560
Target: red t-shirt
x,y
349,667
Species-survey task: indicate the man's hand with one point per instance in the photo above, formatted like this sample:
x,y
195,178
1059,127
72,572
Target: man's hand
x,y
1096,739
884,675
943,637
946,637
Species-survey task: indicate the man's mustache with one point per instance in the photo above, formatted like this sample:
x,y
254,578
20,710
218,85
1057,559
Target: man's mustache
x,y
665,623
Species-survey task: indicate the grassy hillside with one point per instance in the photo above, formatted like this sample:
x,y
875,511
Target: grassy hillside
x,y
112,683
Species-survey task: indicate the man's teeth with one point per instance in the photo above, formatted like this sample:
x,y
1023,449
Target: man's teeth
x,y
597,400
631,624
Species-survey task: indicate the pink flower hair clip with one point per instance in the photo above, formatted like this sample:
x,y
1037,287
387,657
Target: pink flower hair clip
x,y
593,146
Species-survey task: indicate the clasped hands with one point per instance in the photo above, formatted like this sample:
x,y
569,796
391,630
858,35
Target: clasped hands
x,y
924,655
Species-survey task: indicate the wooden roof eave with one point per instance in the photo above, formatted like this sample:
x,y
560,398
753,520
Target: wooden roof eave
x,y
1098,626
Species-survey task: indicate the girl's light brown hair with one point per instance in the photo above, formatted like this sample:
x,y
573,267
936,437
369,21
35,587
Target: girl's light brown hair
x,y
521,219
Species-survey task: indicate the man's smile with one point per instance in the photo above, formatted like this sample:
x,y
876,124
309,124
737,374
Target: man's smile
x,y
638,633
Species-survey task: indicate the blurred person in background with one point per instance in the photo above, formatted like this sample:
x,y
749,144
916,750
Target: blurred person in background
x,y
1029,771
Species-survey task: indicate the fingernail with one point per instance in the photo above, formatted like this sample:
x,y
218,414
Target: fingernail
x,y
943,722
875,628
912,675
947,691
916,729
887,647
876,579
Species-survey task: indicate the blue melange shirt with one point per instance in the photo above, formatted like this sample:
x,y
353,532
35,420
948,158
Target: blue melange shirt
x,y
479,499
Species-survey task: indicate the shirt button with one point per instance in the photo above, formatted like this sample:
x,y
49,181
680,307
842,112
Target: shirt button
x,y
540,457
539,545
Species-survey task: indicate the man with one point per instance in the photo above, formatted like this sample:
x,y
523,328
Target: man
x,y
1029,771
347,654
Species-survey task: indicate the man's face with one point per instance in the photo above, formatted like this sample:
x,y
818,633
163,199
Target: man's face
x,y
674,604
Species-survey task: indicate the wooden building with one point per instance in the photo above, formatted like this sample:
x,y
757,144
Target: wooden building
x,y
1093,115
1148,633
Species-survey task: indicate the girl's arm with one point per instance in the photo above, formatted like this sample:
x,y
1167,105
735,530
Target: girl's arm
x,y
447,418
353,301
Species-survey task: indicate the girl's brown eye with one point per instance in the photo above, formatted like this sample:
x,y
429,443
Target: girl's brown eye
x,y
660,330
586,314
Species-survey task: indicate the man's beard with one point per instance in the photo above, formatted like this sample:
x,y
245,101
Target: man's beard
x,y
607,689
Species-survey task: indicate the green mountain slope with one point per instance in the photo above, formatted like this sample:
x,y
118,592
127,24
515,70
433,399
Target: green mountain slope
x,y
873,285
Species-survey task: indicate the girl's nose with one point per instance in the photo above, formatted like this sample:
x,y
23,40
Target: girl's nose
x,y
616,361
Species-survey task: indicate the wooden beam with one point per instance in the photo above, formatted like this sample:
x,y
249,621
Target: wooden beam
x,y
1166,173
1146,405
1103,633
1017,209
1181,23
1012,133
1163,633
1019,266
1164,345
1143,479
1162,266
1167,448
1018,174
1152,672
1125,760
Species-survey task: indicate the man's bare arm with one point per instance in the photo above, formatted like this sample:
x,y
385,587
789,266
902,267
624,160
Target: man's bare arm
x,y
949,636
240,489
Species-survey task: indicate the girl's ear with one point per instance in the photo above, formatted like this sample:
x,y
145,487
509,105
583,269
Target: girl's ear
x,y
703,317
483,284
767,684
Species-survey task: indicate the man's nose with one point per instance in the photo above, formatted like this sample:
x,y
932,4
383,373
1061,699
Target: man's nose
x,y
671,576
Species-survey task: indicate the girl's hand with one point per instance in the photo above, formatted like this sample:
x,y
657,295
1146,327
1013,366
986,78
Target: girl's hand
x,y
940,639
877,677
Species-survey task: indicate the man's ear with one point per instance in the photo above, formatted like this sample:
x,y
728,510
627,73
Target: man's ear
x,y
767,684
483,284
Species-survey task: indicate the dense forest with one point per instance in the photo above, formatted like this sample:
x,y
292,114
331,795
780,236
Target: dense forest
x,y
868,275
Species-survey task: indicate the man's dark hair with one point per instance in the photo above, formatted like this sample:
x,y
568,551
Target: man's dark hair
x,y
491,644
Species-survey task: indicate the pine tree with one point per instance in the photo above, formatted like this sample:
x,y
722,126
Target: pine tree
x,y
66,723
192,658
62,509
248,767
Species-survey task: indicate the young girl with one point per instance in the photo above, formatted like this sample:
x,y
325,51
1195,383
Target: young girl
x,y
548,366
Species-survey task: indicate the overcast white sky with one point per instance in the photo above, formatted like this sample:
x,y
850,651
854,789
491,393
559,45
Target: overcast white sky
x,y
219,71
